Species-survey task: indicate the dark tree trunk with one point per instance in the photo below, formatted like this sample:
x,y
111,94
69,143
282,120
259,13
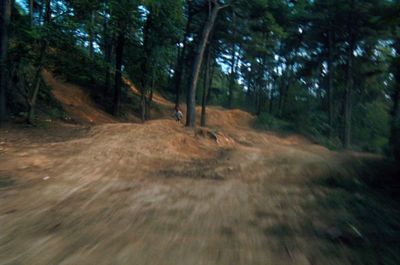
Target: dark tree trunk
x,y
179,69
108,59
285,88
348,107
33,99
36,88
119,52
40,13
91,34
271,100
5,13
205,88
233,62
395,113
145,64
191,95
285,97
149,99
47,15
31,10
259,101
330,82
282,85
40,64
107,49
349,86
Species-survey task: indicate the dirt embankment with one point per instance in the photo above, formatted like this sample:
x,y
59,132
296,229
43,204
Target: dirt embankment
x,y
76,102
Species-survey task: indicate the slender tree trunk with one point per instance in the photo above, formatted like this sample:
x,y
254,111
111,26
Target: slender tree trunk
x,y
145,64
233,62
348,103
205,88
91,34
119,52
259,102
149,100
330,82
40,18
108,59
281,95
286,88
41,58
285,97
33,100
271,100
107,48
37,82
47,15
31,9
395,113
191,97
150,97
5,13
349,86
179,69
212,72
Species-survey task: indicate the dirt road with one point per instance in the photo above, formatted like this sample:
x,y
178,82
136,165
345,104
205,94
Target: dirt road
x,y
156,194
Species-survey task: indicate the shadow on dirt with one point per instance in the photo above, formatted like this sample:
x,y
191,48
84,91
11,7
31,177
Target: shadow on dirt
x,y
353,212
207,169
6,182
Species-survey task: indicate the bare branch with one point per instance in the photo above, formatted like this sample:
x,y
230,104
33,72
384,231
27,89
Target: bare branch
x,y
224,6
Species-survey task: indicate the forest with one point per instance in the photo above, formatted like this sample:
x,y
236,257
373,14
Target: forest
x,y
326,69
294,106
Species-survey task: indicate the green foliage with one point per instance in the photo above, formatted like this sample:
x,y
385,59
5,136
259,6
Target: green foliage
x,y
371,126
266,121
272,54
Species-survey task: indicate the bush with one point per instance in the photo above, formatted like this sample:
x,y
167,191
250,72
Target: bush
x,y
266,121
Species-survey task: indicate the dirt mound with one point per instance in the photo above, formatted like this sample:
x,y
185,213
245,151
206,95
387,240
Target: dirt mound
x,y
227,126
150,193
118,192
223,118
157,98
156,139
219,137
76,102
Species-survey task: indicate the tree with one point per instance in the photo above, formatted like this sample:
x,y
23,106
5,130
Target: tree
x,y
395,112
5,9
161,34
206,86
214,8
123,14
350,82
40,62
107,45
323,67
179,68
392,19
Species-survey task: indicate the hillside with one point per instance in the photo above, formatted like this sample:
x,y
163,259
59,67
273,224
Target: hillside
x,y
159,193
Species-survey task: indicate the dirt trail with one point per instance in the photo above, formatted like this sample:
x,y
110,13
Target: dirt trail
x,y
160,194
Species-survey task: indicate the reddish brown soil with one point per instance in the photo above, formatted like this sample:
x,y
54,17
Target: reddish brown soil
x,y
76,102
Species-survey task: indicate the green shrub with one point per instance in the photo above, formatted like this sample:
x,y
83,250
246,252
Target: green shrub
x,y
266,121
